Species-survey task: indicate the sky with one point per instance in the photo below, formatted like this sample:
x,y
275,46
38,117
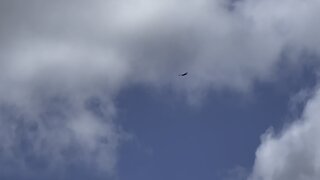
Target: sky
x,y
90,89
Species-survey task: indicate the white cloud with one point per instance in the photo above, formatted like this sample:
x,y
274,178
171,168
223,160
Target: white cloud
x,y
294,153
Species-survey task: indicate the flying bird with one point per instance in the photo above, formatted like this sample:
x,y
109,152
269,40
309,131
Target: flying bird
x,y
184,74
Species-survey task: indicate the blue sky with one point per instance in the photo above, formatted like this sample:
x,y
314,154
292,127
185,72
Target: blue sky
x,y
174,140
90,89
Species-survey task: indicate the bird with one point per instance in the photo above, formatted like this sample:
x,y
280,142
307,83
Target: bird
x,y
184,74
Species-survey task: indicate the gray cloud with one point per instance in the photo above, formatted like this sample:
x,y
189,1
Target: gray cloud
x,y
56,56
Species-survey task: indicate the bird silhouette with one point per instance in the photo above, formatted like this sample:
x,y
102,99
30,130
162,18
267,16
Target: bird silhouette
x,y
184,74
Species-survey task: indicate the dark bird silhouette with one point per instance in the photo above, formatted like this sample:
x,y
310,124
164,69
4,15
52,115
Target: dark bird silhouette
x,y
184,74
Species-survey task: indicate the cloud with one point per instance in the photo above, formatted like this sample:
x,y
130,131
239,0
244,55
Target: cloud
x,y
294,153
136,40
60,136
63,62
